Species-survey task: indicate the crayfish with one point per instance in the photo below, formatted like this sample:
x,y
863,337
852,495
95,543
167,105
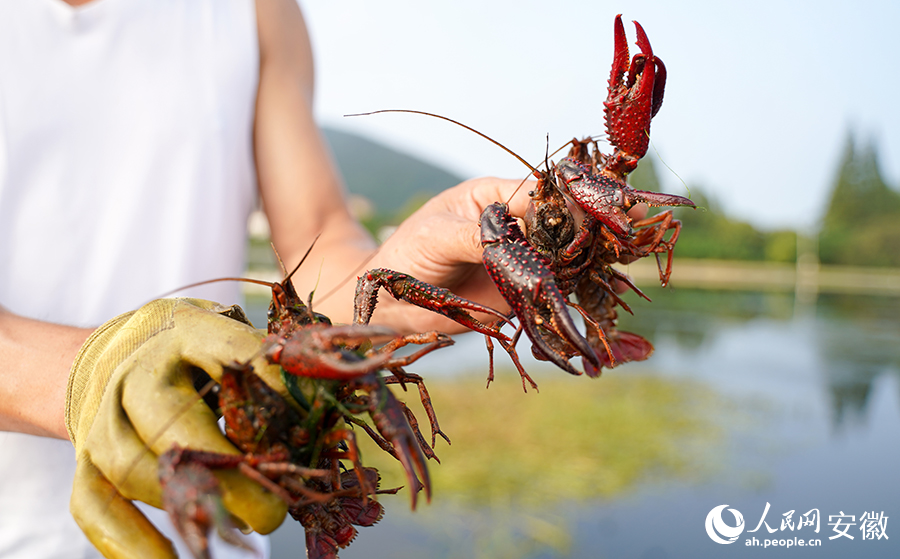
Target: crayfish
x,y
538,270
334,373
294,448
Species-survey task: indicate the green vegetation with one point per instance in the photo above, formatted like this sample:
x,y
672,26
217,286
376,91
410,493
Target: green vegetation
x,y
391,184
509,447
862,224
517,459
860,228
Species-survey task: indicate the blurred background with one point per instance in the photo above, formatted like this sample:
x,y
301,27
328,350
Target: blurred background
x,y
776,376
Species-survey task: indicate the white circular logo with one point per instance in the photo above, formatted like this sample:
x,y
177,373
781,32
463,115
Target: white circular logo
x,y
720,532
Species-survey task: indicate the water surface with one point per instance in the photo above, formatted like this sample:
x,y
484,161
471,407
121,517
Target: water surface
x,y
749,399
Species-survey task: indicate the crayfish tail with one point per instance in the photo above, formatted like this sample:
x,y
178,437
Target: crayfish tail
x,y
625,347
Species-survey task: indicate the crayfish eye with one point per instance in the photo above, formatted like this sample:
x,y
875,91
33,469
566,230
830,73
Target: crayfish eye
x,y
321,318
270,314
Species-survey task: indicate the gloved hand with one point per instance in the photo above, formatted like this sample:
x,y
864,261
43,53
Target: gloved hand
x,y
131,397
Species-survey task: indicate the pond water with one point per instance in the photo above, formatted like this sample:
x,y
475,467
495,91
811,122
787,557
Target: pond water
x,y
786,413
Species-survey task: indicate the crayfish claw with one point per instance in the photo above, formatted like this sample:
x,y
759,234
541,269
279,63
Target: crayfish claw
x,y
620,54
193,499
326,352
391,421
656,199
404,287
562,325
631,103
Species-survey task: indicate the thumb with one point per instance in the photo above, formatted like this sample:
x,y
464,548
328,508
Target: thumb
x,y
513,192
469,247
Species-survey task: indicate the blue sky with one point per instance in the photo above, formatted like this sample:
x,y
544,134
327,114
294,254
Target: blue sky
x,y
758,103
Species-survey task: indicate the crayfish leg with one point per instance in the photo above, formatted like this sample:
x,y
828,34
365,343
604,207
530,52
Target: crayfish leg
x,y
414,425
431,340
627,281
490,349
390,420
424,397
404,287
598,279
352,454
600,333
510,348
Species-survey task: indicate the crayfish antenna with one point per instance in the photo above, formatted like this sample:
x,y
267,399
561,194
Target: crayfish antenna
x,y
313,292
467,127
514,192
287,278
268,284
287,284
278,257
547,152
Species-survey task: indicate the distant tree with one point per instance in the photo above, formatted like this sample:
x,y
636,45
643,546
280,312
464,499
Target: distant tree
x,y
862,224
781,246
707,232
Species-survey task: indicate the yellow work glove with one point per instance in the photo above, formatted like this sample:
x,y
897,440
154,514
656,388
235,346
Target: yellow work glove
x,y
131,397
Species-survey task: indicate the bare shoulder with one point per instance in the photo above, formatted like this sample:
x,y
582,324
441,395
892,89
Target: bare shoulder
x,y
284,43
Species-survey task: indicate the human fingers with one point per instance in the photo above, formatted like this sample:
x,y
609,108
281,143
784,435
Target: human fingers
x,y
177,416
478,194
210,336
440,244
638,211
135,372
117,451
468,199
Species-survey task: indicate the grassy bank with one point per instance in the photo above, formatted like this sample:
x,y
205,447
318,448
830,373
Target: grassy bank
x,y
578,439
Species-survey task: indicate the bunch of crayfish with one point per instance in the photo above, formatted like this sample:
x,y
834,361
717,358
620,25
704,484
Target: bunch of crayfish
x,y
333,375
556,257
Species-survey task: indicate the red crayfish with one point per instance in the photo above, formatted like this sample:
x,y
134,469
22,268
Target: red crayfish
x,y
333,374
536,271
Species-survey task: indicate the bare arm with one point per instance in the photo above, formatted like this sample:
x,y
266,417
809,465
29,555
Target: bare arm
x,y
303,196
36,358
302,192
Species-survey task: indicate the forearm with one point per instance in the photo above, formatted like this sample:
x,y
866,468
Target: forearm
x,y
342,252
302,192
36,358
439,244
303,197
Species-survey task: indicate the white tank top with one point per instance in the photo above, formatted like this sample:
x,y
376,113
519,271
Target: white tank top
x,y
126,170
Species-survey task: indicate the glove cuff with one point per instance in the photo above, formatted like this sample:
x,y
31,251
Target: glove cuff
x,y
86,360
111,344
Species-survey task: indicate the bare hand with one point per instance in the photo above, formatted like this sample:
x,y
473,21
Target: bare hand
x,y
441,244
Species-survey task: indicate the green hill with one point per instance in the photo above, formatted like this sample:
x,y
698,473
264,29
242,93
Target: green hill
x,y
387,178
